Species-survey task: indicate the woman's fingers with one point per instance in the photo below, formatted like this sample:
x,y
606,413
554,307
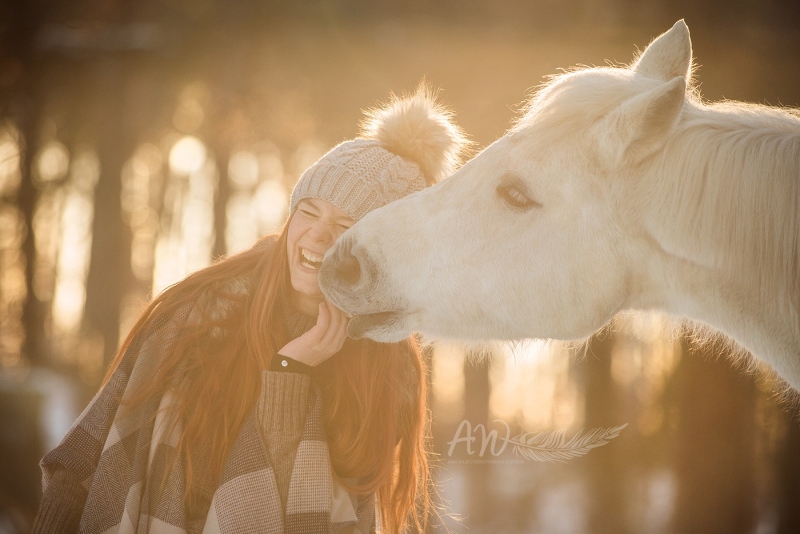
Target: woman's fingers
x,y
329,322
323,321
341,326
341,320
324,339
337,329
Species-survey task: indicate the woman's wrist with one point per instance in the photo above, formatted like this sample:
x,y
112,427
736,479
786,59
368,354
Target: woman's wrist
x,y
285,364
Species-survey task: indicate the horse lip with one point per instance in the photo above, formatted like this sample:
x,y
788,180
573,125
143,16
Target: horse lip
x,y
359,325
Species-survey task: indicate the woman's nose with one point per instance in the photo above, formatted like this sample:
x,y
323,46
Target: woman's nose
x,y
320,231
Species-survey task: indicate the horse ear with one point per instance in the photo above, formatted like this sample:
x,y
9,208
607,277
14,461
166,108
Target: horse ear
x,y
668,56
641,125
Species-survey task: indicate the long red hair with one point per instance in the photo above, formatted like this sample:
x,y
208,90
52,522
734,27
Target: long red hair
x,y
368,436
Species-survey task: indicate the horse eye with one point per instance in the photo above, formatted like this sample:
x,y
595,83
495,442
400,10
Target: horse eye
x,y
515,198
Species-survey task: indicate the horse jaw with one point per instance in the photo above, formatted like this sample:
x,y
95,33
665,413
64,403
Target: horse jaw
x,y
694,289
383,327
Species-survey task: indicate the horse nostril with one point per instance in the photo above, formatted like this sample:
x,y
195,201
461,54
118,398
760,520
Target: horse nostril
x,y
348,269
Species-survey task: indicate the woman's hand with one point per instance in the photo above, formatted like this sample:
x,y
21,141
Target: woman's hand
x,y
323,340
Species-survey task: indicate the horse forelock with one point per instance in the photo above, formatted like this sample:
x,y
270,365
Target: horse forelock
x,y
574,95
566,105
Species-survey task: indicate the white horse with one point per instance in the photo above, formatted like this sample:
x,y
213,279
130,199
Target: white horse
x,y
618,189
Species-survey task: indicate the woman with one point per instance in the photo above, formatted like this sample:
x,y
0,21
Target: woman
x,y
237,403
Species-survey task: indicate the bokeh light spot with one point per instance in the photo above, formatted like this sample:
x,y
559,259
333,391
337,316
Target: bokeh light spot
x,y
187,155
271,202
243,169
52,161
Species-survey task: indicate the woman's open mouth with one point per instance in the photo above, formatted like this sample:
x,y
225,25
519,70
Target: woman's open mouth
x,y
309,260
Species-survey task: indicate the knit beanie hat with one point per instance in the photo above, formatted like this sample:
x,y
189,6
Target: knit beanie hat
x,y
405,145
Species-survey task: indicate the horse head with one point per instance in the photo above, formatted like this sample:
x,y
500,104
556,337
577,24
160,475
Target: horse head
x,y
617,189
526,239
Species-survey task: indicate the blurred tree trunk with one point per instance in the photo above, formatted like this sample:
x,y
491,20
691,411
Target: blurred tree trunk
x,y
476,410
715,444
110,267
606,468
33,312
222,152
26,103
227,128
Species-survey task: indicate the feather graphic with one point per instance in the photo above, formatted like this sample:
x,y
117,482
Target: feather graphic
x,y
553,446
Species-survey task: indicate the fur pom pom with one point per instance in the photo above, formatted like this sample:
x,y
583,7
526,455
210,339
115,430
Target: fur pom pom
x,y
420,130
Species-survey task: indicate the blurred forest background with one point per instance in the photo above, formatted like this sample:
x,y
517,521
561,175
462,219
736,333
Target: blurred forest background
x,y
141,139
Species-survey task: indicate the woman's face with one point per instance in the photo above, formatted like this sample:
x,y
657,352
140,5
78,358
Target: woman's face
x,y
313,229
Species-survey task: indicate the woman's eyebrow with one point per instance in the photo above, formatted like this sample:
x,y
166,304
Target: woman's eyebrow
x,y
343,220
339,219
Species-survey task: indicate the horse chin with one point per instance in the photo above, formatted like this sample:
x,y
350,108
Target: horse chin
x,y
384,327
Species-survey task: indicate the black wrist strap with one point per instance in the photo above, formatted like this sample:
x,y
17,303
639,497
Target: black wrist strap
x,y
284,364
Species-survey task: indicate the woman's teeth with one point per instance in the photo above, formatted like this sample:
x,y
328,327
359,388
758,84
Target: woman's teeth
x,y
310,260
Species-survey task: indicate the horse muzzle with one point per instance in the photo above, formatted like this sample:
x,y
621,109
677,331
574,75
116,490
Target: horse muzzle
x,y
351,280
346,278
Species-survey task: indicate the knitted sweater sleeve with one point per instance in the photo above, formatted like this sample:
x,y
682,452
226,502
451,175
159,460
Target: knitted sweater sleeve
x,y
61,506
282,410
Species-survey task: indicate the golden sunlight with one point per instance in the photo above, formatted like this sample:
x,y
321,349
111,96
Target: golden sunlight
x,y
190,113
184,244
259,201
270,203
531,383
142,179
46,231
306,155
9,163
448,382
241,225
643,359
243,169
12,284
72,265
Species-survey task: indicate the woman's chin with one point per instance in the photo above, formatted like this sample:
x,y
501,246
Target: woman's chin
x,y
306,299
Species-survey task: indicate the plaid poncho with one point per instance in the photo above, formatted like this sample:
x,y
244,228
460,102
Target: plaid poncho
x,y
119,459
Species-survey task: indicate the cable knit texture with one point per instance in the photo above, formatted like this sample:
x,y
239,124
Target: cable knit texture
x,y
405,145
358,176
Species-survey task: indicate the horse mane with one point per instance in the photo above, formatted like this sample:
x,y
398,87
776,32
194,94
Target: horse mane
x,y
736,190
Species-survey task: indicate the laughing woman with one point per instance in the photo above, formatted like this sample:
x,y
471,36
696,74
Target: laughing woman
x,y
238,404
